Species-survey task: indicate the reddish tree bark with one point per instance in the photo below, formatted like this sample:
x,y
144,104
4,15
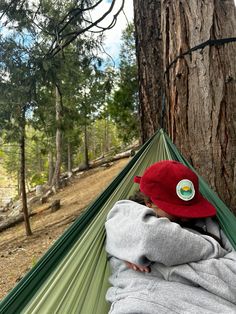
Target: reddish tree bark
x,y
201,88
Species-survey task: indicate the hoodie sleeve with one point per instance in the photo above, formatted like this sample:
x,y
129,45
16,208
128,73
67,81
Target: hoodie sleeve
x,y
134,234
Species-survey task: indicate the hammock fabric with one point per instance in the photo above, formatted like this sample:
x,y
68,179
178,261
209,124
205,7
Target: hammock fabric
x,y
72,277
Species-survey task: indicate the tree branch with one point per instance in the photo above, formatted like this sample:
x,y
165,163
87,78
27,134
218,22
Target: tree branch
x,y
58,45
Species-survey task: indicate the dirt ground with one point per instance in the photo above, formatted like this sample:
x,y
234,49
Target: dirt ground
x,y
19,253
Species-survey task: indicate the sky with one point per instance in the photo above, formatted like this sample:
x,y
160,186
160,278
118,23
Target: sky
x,y
113,36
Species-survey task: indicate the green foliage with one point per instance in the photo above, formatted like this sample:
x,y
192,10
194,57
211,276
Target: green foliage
x,y
123,105
36,153
38,178
103,137
10,161
89,97
36,161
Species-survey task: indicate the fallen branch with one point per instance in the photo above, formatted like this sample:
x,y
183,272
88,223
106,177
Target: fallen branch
x,y
13,221
107,160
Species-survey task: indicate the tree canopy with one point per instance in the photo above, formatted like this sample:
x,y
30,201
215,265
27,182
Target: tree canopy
x,y
55,89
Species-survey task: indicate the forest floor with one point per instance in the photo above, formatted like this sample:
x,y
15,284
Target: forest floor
x,y
18,253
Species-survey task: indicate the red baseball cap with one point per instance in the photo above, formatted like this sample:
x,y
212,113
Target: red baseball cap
x,y
174,188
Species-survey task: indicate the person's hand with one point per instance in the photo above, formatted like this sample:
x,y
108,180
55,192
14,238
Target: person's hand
x,y
144,269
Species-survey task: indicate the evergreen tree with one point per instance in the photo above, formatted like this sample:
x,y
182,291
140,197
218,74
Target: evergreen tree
x,y
17,101
123,106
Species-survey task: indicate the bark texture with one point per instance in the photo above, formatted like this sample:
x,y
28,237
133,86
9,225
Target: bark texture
x,y
86,155
69,158
150,66
22,175
201,88
50,167
57,170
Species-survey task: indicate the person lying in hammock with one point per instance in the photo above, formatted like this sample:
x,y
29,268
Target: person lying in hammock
x,y
182,268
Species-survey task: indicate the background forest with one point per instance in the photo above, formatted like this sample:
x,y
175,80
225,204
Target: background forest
x,y
60,109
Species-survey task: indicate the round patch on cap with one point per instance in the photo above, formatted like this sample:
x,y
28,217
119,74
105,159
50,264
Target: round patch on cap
x,y
185,190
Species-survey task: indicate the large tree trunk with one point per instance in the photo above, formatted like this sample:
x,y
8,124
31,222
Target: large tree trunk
x,y
22,175
57,171
150,65
201,88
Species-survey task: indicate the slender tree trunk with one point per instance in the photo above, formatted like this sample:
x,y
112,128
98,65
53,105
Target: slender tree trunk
x,y
94,143
50,167
150,65
27,185
22,176
40,160
69,158
106,135
18,183
86,157
57,171
201,88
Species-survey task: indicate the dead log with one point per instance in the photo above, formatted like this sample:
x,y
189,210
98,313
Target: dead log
x,y
13,221
107,160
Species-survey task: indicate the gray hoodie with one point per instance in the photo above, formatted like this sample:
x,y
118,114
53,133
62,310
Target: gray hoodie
x,y
190,272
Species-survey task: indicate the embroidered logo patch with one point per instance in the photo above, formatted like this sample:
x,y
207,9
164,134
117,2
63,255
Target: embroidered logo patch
x,y
185,190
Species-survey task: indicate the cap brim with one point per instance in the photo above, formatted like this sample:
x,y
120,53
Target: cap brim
x,y
201,209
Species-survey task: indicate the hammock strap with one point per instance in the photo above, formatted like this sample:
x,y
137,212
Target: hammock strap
x,y
209,42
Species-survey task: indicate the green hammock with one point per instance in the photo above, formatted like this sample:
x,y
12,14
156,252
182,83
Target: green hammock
x,y
72,277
